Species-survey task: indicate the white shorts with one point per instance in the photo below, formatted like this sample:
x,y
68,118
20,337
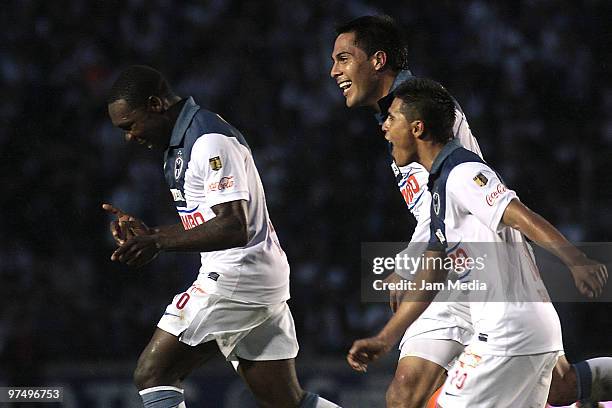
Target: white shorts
x,y
488,381
241,329
439,334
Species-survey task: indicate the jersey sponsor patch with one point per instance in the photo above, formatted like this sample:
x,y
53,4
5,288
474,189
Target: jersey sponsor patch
x,y
177,194
225,183
481,180
192,220
492,197
410,189
192,217
215,163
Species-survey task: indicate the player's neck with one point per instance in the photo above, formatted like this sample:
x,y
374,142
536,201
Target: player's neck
x,y
384,88
174,107
427,153
387,83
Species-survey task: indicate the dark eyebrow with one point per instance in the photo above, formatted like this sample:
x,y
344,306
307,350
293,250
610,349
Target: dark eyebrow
x,y
338,55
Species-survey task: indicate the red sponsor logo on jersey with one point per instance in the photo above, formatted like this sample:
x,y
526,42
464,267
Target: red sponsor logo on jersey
x,y
224,183
192,220
491,197
410,190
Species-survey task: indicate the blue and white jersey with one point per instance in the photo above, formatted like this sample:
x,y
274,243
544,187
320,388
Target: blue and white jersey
x,y
513,315
207,163
412,178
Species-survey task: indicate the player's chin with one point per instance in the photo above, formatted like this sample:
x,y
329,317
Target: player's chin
x,y
351,102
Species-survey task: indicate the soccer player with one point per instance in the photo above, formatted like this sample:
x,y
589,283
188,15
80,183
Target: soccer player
x,y
369,63
237,304
510,359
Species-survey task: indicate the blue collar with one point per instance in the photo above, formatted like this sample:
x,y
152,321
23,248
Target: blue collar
x,y
190,108
402,76
385,101
446,151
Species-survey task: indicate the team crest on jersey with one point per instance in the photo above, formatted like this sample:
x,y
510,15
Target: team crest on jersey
x,y
436,203
215,163
178,166
481,180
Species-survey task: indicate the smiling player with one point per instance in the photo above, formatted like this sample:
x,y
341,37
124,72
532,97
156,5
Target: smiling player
x,y
369,62
237,303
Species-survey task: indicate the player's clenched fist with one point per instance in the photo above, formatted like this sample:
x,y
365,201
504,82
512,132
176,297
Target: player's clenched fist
x,y
590,277
138,251
365,351
125,226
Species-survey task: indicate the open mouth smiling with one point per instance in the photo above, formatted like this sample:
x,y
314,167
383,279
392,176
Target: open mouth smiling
x,y
345,85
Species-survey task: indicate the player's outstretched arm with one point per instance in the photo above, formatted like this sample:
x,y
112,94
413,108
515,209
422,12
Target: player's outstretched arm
x,y
227,230
590,276
413,304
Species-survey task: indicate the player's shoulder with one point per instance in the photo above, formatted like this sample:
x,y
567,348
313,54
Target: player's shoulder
x,y
213,129
210,122
215,142
453,155
468,167
471,170
461,155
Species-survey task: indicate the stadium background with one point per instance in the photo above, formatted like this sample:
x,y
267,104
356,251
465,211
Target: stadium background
x,y
532,76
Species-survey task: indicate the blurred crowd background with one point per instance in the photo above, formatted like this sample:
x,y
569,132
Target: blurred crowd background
x,y
532,76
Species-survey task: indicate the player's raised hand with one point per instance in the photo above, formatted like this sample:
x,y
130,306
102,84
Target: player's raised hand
x,y
365,351
125,226
590,277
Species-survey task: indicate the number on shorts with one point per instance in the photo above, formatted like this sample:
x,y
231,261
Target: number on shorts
x,y
458,379
182,301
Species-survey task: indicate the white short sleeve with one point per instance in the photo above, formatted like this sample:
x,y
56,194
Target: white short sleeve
x,y
475,187
218,168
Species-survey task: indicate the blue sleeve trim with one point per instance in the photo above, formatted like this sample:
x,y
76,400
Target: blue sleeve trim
x,y
188,211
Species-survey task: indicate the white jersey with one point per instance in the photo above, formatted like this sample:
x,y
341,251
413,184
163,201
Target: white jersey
x,y
412,179
209,163
412,182
513,314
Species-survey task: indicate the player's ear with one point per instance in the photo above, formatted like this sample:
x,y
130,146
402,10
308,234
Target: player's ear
x,y
418,129
155,104
380,60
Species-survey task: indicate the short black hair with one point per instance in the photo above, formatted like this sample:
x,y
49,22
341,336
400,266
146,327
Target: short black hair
x,y
429,101
379,33
136,84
